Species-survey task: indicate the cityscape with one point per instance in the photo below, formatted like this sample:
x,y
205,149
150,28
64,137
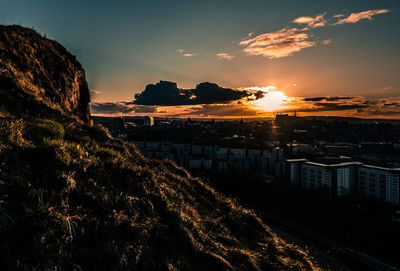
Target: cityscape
x,y
240,146
200,135
348,164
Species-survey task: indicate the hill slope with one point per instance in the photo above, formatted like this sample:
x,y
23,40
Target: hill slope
x,y
74,198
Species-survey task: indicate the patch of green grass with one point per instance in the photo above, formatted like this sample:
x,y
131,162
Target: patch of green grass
x,y
47,128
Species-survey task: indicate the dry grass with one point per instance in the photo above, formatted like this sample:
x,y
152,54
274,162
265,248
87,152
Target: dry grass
x,y
93,202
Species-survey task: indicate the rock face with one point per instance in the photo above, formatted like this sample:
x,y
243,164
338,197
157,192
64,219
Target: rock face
x,y
42,72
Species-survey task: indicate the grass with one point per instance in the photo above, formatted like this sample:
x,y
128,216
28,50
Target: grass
x,y
93,202
74,198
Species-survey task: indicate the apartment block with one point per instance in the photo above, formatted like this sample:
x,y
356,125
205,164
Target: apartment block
x,y
380,182
330,180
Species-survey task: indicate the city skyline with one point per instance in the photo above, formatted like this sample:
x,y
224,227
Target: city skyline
x,y
316,58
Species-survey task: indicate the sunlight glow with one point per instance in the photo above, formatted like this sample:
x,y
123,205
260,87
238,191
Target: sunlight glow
x,y
273,99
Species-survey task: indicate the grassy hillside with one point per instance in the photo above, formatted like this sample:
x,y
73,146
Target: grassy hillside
x,y
73,197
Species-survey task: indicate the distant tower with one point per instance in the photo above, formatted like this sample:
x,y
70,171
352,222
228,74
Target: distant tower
x,y
148,121
294,114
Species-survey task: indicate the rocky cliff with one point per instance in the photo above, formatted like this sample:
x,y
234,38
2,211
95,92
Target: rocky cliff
x,y
41,72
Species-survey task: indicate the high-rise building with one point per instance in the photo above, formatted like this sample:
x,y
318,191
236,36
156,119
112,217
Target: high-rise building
x,y
293,170
380,183
331,180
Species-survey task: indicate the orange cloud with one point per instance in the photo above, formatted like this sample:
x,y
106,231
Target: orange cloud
x,y
182,52
355,17
225,56
278,44
312,22
95,91
286,41
326,42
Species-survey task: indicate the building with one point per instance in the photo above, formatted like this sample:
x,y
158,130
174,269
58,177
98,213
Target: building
x,y
238,154
302,148
148,121
277,154
197,149
152,145
254,157
222,154
334,180
330,180
293,170
380,183
195,163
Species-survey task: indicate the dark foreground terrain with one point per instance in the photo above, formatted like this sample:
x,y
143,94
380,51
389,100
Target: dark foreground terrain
x,y
74,198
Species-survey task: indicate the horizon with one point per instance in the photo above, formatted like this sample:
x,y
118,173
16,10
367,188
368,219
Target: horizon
x,y
218,135
317,58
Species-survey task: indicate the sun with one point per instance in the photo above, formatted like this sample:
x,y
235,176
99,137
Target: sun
x,y
273,99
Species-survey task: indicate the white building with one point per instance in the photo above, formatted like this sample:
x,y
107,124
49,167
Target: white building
x,y
332,180
254,155
152,145
266,154
207,163
277,154
293,170
222,153
379,182
197,149
238,153
262,163
303,149
195,163
223,166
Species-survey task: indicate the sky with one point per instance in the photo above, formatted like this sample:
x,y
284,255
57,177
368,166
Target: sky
x,y
261,57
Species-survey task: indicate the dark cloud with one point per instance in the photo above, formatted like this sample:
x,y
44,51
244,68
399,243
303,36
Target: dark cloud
x,y
331,106
168,94
371,102
392,104
386,107
258,95
314,99
223,110
120,107
146,109
329,99
339,106
380,112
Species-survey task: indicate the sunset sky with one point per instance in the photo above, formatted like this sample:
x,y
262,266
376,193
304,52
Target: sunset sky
x,y
263,57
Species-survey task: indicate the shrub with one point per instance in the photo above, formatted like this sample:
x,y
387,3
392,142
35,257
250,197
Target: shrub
x,y
47,129
98,133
